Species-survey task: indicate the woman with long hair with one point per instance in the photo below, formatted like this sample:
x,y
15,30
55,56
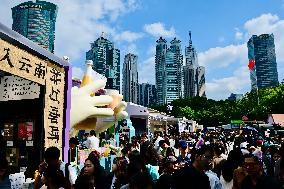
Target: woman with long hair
x,y
150,159
118,176
94,171
227,173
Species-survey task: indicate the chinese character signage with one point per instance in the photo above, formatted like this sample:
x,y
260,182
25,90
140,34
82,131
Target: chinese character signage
x,y
33,72
54,99
21,63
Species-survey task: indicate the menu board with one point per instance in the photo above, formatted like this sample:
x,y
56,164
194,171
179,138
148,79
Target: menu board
x,y
17,88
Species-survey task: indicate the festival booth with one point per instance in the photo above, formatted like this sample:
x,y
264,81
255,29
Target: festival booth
x,y
139,117
185,125
161,122
276,119
34,101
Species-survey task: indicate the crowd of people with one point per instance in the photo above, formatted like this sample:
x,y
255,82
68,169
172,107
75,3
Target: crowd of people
x,y
240,159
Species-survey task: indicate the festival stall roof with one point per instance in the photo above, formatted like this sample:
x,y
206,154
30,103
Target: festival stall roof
x,y
137,111
276,119
154,114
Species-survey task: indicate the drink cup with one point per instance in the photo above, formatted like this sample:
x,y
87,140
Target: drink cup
x,y
116,98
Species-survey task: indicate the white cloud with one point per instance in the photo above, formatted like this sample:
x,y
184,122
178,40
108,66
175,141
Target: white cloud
x,y
6,12
220,57
146,71
79,22
85,26
268,23
265,23
128,48
221,88
128,36
77,72
151,50
132,48
158,29
238,34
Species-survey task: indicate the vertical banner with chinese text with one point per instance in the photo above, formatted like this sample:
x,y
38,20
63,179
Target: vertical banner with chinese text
x,y
54,106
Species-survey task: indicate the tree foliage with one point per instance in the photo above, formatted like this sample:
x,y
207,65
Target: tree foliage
x,y
256,105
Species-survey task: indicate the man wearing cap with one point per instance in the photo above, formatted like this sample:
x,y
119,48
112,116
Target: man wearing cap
x,y
184,157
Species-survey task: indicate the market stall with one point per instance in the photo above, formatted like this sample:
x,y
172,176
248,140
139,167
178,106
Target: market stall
x,y
34,101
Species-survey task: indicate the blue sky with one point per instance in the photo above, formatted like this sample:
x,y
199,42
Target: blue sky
x,y
220,30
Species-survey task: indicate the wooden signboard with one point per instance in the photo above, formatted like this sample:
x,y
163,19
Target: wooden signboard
x,y
25,65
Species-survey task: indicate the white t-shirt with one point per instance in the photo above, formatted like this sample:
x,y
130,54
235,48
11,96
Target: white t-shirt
x,y
157,141
45,187
225,184
172,142
112,141
93,143
72,172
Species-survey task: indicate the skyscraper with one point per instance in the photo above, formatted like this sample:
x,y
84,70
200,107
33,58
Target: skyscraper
x,y
189,73
36,21
261,51
194,75
168,67
235,97
160,66
130,78
106,60
146,94
200,81
189,70
173,72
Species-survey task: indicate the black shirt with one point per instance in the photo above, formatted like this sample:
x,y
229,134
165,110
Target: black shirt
x,y
189,177
264,182
165,181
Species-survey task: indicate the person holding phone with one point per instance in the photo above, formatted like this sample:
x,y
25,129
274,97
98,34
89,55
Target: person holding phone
x,y
52,159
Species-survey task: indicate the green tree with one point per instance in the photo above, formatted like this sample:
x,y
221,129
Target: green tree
x,y
186,112
254,104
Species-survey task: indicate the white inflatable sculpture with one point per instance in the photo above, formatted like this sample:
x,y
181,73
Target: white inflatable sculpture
x,y
84,106
90,112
